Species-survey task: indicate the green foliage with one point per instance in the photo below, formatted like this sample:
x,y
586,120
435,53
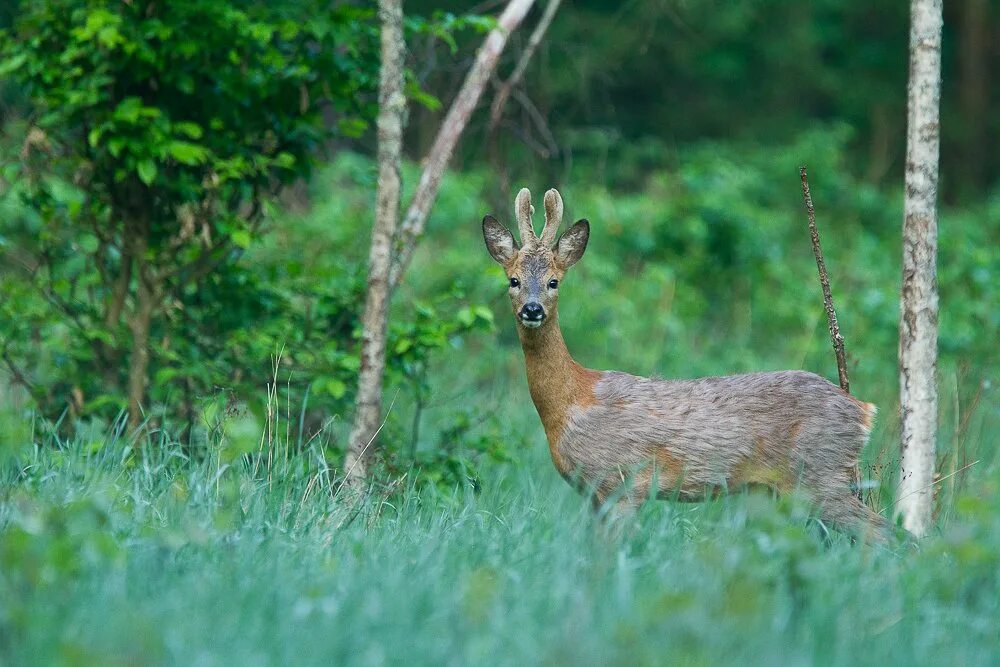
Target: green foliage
x,y
158,135
617,82
142,215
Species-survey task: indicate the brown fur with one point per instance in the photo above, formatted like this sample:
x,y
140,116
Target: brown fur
x,y
556,383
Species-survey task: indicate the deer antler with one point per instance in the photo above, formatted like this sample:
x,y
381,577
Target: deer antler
x,y
524,211
553,217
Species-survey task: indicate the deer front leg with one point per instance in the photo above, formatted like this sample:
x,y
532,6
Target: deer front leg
x,y
619,496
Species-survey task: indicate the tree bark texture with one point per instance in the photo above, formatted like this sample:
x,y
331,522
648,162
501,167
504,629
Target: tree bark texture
x,y
390,123
451,129
919,300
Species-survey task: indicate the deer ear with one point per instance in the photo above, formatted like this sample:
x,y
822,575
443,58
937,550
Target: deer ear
x,y
570,246
499,241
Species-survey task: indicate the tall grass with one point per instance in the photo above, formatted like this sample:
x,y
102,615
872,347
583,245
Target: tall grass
x,y
108,556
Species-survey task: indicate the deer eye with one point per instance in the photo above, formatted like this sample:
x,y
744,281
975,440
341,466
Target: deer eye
x,y
553,283
514,282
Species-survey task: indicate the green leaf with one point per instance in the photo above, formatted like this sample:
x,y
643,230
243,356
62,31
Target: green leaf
x,y
284,160
187,153
128,110
88,243
336,388
352,127
192,130
483,313
147,171
465,317
10,65
422,97
241,237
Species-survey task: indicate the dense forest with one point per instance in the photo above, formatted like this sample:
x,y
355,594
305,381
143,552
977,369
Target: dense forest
x,y
191,196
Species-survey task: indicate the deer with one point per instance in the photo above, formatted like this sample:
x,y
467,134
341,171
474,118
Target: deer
x,y
624,439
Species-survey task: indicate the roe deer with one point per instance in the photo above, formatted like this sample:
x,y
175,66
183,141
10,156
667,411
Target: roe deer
x,y
693,437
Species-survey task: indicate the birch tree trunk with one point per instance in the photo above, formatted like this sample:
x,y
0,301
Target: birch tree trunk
x,y
919,301
392,250
390,122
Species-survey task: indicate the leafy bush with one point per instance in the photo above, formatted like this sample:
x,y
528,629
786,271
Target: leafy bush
x,y
158,134
147,250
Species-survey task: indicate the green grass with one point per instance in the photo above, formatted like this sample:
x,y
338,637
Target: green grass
x,y
106,557
224,557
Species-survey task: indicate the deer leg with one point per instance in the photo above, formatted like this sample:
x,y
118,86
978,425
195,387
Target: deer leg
x,y
850,515
618,498
615,515
831,477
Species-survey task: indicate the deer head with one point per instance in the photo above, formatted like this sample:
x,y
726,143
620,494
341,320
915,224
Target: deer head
x,y
536,267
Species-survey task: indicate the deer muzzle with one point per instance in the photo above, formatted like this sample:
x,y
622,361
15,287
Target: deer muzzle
x,y
532,314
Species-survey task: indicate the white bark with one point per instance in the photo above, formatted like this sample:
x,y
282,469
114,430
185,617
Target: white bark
x,y
451,129
391,119
919,301
385,271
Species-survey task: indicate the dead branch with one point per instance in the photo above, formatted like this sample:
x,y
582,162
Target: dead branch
x,y
931,485
824,279
17,374
540,123
526,139
496,110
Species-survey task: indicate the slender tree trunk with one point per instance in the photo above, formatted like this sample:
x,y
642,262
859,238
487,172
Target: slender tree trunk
x,y
385,271
391,119
119,292
919,302
138,370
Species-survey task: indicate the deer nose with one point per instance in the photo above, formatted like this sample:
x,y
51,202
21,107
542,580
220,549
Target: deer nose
x,y
532,312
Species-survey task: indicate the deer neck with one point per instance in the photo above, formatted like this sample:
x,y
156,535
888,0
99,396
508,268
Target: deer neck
x,y
556,382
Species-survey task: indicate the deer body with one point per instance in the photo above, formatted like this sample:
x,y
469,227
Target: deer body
x,y
675,438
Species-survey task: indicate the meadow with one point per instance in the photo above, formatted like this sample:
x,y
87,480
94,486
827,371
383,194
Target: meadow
x,y
237,545
110,558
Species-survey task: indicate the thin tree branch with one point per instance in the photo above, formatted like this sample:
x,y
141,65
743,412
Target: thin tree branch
x,y
451,129
537,148
496,110
16,372
119,292
540,124
824,279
